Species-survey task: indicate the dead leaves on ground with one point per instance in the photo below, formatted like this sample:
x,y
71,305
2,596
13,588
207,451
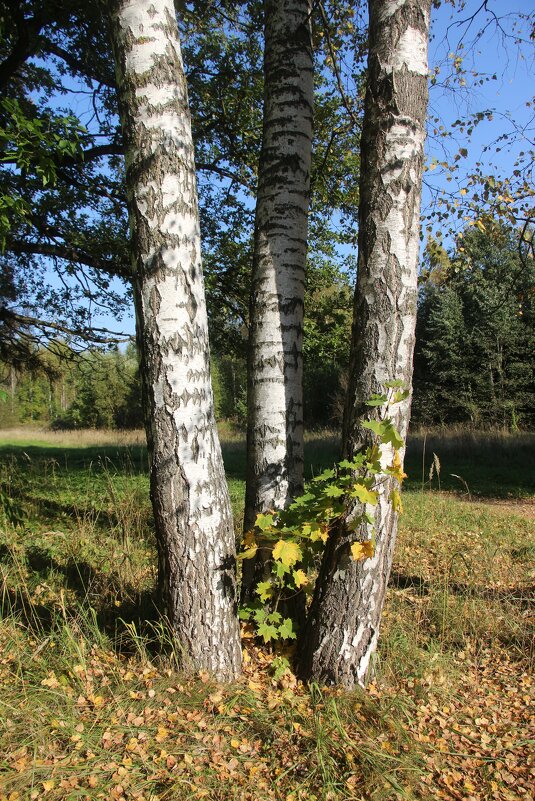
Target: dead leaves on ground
x,y
480,743
146,735
80,722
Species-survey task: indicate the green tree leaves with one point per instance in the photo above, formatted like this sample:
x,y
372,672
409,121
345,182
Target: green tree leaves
x,y
343,496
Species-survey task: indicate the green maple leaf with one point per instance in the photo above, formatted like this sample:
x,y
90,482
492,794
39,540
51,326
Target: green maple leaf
x,y
377,400
377,426
286,630
268,632
364,494
333,491
392,435
325,476
264,522
264,589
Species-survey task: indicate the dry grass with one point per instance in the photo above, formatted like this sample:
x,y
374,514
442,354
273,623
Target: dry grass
x,y
84,437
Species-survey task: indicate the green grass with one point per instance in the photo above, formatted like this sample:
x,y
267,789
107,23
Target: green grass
x,y
88,680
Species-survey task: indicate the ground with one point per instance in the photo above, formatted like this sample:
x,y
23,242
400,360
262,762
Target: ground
x,y
91,705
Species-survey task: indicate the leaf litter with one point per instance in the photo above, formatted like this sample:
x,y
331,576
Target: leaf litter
x,y
448,715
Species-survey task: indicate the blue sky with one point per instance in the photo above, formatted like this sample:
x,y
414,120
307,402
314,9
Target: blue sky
x,y
490,47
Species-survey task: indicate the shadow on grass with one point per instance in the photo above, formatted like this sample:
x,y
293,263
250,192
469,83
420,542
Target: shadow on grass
x,y
114,606
485,464
51,511
125,459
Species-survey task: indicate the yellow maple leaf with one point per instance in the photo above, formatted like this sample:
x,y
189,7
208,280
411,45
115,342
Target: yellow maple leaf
x,y
395,499
300,578
248,554
396,468
48,785
362,550
287,552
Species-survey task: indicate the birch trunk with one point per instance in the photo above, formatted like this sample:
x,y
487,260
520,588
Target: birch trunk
x,y
343,622
189,494
275,370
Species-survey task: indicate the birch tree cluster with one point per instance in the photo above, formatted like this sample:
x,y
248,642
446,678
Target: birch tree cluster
x,y
231,154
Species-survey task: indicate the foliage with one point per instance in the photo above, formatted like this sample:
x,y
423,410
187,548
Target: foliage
x,y
68,390
344,495
326,337
63,225
475,329
229,382
66,241
482,162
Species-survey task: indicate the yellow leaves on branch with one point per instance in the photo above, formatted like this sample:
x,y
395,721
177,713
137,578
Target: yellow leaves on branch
x,y
362,550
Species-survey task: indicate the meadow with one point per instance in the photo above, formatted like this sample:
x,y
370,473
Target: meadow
x,y
91,702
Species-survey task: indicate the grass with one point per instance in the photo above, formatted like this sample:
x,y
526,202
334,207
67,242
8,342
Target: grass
x,y
91,703
480,463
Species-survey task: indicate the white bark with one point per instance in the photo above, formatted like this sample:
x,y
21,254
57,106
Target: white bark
x,y
275,427
343,624
189,493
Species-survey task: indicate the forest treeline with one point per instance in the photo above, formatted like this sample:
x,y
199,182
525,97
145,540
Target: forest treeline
x,y
473,359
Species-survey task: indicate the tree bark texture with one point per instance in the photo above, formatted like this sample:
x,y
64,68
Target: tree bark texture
x,y
193,519
275,399
343,622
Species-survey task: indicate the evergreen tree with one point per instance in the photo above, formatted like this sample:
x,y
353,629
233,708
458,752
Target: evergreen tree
x,y
475,333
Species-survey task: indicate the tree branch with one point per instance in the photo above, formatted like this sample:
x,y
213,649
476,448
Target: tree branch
x,y
224,173
75,65
67,253
345,100
25,45
101,336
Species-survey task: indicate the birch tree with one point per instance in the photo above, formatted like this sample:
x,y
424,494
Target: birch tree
x,y
343,623
275,399
193,519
